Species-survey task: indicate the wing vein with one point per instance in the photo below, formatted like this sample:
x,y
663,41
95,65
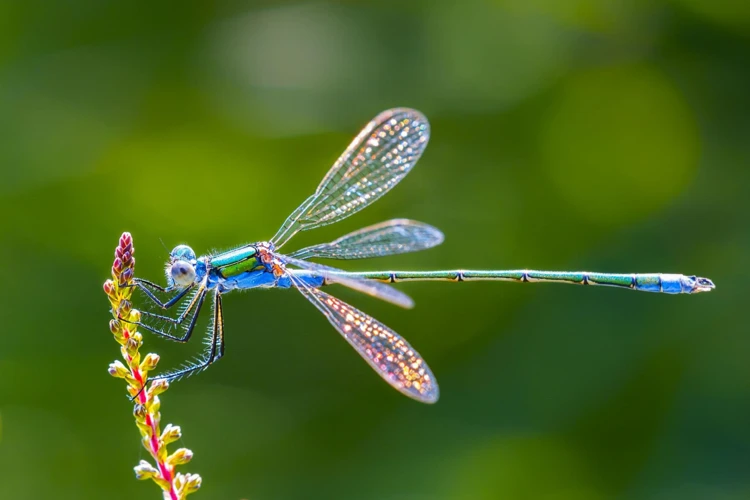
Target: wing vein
x,y
389,354
375,161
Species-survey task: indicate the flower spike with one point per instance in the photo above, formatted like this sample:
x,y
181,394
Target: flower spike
x,y
175,486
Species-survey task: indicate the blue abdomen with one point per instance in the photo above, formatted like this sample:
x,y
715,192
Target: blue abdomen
x,y
260,278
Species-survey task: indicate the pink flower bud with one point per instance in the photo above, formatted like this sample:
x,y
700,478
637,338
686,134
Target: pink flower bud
x,y
127,275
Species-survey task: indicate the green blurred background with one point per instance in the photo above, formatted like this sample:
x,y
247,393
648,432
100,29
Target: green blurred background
x,y
606,135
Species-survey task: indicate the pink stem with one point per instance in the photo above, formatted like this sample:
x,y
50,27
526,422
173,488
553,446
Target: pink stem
x,y
165,472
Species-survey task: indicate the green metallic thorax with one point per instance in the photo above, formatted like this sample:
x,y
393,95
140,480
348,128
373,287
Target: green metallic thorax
x,y
237,261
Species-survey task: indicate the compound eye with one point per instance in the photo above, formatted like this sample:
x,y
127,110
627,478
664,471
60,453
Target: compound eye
x,y
183,252
182,272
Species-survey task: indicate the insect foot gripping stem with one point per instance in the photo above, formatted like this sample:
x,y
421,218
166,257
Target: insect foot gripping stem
x,y
696,284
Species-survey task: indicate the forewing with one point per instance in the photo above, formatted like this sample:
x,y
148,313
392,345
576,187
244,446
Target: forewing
x,y
332,275
378,158
387,238
385,350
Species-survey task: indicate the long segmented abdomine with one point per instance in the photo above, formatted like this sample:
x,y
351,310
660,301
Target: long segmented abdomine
x,y
653,282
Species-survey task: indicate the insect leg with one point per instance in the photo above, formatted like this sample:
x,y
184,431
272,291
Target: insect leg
x,y
215,350
144,285
196,303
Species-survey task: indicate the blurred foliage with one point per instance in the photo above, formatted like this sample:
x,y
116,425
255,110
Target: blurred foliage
x,y
601,134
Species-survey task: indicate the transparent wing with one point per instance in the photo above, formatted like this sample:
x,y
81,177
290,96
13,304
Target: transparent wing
x,y
387,238
386,351
332,275
378,158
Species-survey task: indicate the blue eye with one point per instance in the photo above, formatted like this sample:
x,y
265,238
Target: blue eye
x,y
183,252
182,273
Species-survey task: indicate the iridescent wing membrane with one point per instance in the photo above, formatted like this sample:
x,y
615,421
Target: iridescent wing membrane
x,y
386,351
378,158
387,238
332,275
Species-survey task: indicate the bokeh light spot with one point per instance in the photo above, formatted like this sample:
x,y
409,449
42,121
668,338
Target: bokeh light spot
x,y
280,71
484,56
620,143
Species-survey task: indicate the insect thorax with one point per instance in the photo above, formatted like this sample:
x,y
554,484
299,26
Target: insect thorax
x,y
237,261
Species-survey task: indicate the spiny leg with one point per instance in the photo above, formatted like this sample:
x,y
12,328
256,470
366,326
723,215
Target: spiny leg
x,y
216,346
197,302
185,313
151,284
220,329
144,285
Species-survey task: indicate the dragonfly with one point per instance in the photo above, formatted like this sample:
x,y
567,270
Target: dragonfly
x,y
378,158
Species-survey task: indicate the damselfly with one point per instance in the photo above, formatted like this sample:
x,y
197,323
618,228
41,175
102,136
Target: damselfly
x,y
378,158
